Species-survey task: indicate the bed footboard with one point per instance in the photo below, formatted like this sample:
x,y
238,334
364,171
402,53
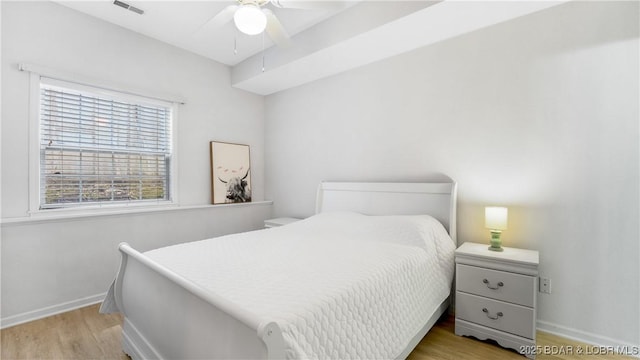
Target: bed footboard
x,y
169,317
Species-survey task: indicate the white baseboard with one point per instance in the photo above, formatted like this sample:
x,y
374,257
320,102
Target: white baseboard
x,y
49,311
587,337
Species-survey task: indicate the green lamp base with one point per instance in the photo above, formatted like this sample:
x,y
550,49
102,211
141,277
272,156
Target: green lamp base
x,y
496,243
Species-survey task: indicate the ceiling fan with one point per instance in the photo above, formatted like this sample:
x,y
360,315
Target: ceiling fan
x,y
252,17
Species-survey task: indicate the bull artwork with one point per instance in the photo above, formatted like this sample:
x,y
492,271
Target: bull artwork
x,y
237,189
230,173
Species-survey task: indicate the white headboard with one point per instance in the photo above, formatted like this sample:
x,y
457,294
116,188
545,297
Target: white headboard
x,y
435,199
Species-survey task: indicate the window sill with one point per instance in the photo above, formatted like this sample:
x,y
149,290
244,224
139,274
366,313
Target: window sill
x,y
55,215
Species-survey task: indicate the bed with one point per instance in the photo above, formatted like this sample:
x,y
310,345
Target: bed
x,y
366,277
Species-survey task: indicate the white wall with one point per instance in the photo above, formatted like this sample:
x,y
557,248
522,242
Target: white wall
x,y
539,114
50,263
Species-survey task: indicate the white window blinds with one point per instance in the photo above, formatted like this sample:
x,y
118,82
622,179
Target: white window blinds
x,y
98,147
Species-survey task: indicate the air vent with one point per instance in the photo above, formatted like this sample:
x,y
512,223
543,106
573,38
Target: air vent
x,y
128,7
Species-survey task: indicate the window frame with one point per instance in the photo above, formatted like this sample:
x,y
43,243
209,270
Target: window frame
x,y
111,91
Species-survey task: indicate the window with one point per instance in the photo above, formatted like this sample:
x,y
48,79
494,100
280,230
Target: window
x,y
102,147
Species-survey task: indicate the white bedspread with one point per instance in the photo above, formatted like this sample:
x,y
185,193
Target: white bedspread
x,y
340,285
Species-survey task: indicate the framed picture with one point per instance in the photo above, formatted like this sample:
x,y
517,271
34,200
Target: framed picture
x,y
230,173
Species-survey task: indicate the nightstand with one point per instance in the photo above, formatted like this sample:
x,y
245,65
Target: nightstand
x,y
279,222
496,295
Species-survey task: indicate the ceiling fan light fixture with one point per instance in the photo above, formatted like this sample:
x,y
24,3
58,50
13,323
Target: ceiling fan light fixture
x,y
250,19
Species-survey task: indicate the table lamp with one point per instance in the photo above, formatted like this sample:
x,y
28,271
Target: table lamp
x,y
495,219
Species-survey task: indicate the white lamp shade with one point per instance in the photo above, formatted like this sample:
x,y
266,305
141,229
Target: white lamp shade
x,y
495,217
250,19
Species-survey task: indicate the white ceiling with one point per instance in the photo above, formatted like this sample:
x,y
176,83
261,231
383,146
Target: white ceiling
x,y
325,43
185,24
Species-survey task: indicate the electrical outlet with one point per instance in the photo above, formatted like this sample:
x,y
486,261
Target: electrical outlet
x,y
545,285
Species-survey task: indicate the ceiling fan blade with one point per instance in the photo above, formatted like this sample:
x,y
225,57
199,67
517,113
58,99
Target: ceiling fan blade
x,y
276,30
308,5
221,18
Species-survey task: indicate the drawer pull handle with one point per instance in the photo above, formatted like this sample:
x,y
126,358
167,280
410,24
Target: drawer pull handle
x,y
500,284
498,315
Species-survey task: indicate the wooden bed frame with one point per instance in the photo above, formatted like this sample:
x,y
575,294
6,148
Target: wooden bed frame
x,y
207,326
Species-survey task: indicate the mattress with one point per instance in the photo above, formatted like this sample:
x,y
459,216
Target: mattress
x,y
339,285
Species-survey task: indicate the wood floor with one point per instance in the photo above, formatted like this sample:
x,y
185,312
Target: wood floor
x,y
80,334
86,334
441,343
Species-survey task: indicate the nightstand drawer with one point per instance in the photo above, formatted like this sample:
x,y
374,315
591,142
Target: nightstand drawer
x,y
500,285
511,318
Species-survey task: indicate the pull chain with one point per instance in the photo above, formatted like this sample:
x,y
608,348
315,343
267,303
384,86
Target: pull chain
x,y
235,42
263,51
